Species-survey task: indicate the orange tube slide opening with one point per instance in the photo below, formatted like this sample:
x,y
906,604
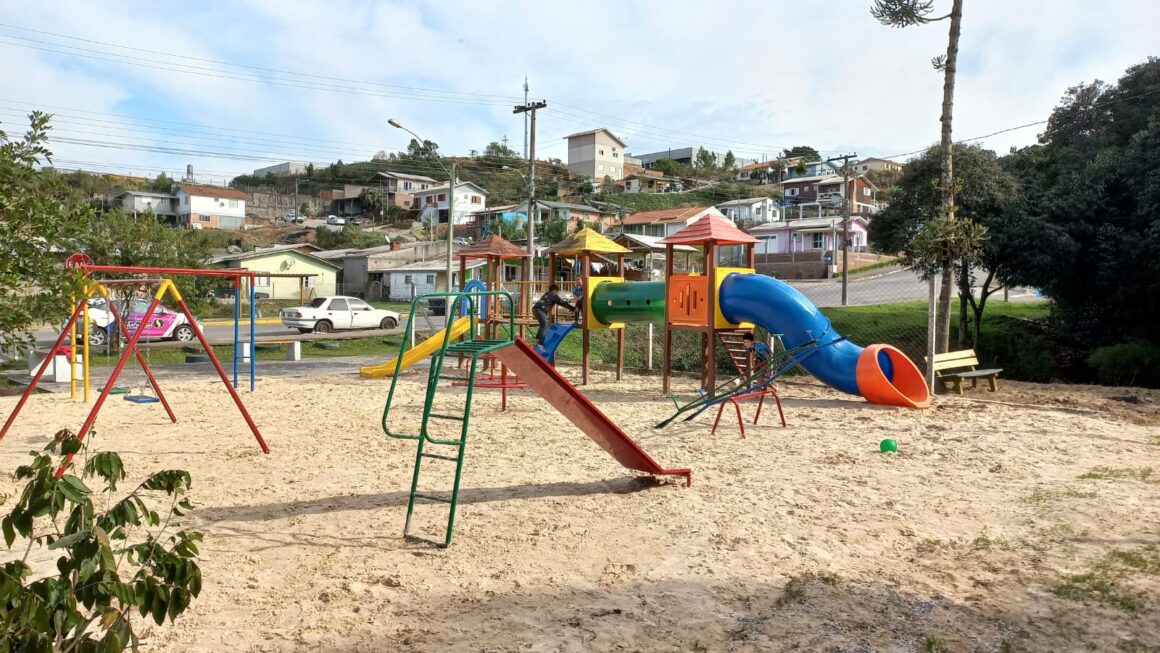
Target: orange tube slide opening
x,y
886,376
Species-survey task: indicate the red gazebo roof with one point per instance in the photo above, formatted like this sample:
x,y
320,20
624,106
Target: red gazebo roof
x,y
493,245
710,228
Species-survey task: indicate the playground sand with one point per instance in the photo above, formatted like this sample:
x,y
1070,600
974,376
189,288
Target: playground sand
x,y
805,538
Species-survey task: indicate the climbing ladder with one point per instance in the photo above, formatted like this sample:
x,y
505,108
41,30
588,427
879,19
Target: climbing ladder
x,y
734,342
450,448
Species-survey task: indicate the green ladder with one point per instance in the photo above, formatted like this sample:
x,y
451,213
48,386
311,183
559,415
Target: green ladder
x,y
473,350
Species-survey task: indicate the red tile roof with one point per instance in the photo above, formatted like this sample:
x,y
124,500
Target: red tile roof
x,y
709,228
664,215
493,245
212,191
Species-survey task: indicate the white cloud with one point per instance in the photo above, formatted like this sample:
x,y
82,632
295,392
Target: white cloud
x,y
752,77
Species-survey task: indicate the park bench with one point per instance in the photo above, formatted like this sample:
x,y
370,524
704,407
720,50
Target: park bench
x,y
956,366
293,348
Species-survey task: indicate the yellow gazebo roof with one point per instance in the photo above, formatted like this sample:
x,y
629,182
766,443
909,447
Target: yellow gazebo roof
x,y
587,240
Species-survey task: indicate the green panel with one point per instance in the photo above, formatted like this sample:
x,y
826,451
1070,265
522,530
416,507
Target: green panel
x,y
632,301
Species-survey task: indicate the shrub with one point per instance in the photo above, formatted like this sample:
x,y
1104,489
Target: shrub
x,y
111,563
1135,362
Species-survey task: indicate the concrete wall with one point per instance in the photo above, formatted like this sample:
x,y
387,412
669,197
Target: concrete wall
x,y
809,264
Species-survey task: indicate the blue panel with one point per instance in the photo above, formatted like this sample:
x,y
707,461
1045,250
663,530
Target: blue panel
x,y
552,339
777,307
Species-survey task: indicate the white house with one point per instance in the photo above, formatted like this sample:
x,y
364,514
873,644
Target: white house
x,y
133,202
409,280
469,200
756,210
210,207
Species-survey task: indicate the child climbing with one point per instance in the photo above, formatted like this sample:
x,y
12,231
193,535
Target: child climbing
x,y
545,304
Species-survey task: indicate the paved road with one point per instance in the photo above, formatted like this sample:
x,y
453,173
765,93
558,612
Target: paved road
x,y
884,286
45,337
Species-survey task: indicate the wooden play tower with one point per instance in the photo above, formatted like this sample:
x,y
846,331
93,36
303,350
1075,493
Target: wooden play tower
x,y
586,250
691,302
496,251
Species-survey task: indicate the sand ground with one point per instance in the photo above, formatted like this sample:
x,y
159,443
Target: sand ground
x,y
804,538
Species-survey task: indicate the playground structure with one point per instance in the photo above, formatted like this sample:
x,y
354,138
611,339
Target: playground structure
x,y
160,287
722,302
535,373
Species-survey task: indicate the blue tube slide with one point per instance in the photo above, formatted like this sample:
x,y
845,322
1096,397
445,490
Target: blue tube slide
x,y
880,373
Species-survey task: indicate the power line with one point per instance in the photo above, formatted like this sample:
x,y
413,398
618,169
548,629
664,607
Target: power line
x,y
503,98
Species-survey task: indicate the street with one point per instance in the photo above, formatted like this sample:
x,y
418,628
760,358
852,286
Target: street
x,y
884,286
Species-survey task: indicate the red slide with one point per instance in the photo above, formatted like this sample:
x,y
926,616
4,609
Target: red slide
x,y
564,397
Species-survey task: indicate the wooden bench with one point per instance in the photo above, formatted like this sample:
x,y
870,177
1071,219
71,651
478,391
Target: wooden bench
x,y
956,366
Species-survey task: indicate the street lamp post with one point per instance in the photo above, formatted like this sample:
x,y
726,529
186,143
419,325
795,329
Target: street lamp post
x,y
452,184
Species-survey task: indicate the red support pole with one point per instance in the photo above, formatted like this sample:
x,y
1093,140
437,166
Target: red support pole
x,y
44,366
131,347
222,373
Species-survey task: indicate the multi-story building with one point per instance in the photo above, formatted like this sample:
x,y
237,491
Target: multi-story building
x,y
432,203
595,154
282,169
210,207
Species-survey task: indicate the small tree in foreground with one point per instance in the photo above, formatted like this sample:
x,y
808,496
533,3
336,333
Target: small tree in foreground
x,y
114,561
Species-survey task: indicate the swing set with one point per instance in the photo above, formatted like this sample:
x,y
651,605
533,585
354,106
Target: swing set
x,y
160,287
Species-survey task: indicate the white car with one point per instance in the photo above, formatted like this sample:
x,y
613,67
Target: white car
x,y
334,219
326,314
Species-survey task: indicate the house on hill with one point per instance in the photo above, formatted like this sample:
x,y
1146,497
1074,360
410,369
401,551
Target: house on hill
x,y
210,207
596,153
666,222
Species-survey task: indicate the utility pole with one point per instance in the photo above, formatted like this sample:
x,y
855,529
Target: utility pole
x,y
526,109
845,159
525,116
451,236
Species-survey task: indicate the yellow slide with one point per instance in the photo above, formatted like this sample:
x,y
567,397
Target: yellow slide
x,y
419,351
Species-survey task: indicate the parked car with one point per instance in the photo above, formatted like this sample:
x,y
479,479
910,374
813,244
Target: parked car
x,y
334,219
164,324
326,314
293,218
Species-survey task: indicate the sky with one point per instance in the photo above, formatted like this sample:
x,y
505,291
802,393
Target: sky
x,y
145,87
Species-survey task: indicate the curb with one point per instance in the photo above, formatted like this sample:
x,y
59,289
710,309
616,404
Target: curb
x,y
227,322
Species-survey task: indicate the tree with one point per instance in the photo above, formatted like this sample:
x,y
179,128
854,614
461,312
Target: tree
x,y
309,170
499,150
907,13
116,556
350,236
586,188
668,167
37,221
730,161
803,152
705,160
424,150
986,197
553,230
1090,188
509,229
162,184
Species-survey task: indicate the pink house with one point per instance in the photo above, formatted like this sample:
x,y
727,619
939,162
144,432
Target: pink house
x,y
807,235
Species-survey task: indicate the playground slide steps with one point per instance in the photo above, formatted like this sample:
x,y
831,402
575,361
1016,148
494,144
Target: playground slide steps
x,y
734,342
571,403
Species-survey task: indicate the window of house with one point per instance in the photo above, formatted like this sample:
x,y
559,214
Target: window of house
x,y
406,185
430,280
866,192
600,167
601,152
476,199
407,279
791,192
233,204
442,196
185,200
819,241
202,218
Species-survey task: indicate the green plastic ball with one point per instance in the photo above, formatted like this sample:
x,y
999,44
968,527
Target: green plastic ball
x,y
887,445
